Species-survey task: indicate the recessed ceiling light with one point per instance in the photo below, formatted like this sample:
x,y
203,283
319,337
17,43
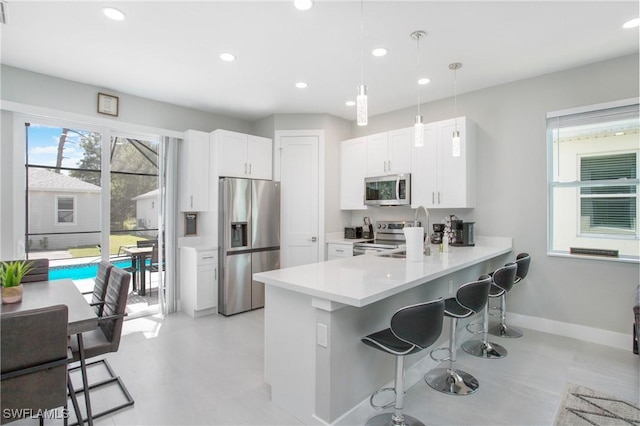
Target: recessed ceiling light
x,y
424,81
303,4
227,57
350,103
113,13
380,51
634,23
301,85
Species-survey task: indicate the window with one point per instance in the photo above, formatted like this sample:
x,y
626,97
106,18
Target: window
x,y
593,181
65,210
608,209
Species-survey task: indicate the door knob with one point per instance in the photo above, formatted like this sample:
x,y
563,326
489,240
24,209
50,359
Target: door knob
x,y
313,239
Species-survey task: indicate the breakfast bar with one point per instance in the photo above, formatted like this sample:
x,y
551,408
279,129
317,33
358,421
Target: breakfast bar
x,y
316,314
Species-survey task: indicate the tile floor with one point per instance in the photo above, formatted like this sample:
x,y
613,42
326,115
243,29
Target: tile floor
x,y
209,371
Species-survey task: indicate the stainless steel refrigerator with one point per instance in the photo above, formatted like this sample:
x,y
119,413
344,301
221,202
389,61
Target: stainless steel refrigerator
x,y
249,235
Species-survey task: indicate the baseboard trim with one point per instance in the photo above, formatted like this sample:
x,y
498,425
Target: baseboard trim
x,y
575,331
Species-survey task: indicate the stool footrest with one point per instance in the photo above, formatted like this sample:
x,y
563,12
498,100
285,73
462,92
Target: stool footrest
x,y
383,407
447,358
474,324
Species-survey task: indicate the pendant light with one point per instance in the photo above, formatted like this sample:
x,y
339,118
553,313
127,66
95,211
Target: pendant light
x,y
455,139
362,115
418,127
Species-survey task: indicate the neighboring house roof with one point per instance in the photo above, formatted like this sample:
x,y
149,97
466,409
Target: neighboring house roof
x,y
44,180
150,194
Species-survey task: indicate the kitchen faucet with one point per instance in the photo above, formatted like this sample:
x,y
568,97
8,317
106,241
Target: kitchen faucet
x,y
427,245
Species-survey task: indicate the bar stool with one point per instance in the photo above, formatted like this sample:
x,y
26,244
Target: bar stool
x,y
470,299
503,277
413,328
523,260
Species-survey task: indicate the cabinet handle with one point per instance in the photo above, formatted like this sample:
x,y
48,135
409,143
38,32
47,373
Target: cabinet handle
x,y
207,257
389,168
191,201
249,168
438,197
340,250
433,197
215,273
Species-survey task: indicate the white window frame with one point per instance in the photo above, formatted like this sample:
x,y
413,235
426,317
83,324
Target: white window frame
x,y
57,210
552,185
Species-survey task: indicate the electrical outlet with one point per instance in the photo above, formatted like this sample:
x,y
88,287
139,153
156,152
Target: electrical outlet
x,y
322,335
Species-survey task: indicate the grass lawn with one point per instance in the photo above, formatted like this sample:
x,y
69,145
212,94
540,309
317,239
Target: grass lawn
x,y
115,242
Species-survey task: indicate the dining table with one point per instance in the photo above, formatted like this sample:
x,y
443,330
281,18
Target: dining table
x,y
82,316
138,261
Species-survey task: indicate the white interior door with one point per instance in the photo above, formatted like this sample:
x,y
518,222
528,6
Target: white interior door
x,y
301,237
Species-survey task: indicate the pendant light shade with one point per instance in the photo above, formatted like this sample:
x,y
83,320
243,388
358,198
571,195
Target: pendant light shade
x,y
362,116
418,126
455,137
418,132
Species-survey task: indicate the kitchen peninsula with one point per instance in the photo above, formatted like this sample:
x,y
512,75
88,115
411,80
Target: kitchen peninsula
x,y
316,314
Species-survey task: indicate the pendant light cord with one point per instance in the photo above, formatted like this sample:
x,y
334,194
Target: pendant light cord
x,y
361,41
418,68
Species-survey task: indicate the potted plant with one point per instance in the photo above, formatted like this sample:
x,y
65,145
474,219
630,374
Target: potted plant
x,y
11,274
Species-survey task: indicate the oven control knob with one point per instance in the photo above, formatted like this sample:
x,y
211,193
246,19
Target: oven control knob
x,y
379,226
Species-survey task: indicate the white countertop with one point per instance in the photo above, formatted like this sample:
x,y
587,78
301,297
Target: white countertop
x,y
362,280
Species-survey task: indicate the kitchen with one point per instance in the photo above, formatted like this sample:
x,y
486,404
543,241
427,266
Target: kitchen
x,y
510,161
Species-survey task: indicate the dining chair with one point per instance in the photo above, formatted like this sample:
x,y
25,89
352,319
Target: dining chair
x,y
39,270
100,286
105,339
34,360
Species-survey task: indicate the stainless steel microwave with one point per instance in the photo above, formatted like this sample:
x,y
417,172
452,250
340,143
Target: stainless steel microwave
x,y
390,190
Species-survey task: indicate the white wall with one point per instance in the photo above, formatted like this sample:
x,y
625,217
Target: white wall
x,y
512,187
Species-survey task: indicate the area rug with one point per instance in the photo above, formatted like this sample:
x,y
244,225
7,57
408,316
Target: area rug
x,y
584,406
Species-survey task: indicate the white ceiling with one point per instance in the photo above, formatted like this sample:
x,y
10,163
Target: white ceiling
x,y
168,50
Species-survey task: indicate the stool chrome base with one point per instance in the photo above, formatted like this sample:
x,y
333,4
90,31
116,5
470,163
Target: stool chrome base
x,y
386,419
452,382
502,330
488,350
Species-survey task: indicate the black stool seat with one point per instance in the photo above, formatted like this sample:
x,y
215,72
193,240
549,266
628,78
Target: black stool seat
x,y
470,299
386,341
413,328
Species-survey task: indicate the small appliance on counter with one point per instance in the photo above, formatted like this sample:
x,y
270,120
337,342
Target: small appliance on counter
x,y
438,233
352,232
463,233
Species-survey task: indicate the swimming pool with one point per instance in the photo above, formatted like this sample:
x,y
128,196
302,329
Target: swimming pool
x,y
81,271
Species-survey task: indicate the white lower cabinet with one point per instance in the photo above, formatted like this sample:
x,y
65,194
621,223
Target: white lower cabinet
x,y
337,251
198,281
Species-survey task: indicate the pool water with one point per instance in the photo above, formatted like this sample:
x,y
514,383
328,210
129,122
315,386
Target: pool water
x,y
81,271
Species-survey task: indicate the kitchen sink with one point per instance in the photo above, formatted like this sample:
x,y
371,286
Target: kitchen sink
x,y
394,255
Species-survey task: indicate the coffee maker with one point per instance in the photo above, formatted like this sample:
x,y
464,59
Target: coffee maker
x,y
463,233
438,233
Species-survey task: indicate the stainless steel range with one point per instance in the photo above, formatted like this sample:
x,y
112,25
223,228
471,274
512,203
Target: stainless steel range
x,y
388,236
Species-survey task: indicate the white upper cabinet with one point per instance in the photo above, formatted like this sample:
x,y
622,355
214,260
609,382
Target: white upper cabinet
x,y
353,169
194,171
439,179
389,153
244,156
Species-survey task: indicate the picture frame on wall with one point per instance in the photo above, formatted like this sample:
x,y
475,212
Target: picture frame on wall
x,y
108,104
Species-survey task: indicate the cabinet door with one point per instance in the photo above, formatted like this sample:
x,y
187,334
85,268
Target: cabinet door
x,y
194,172
453,182
353,169
207,288
232,154
260,158
377,155
399,150
424,175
